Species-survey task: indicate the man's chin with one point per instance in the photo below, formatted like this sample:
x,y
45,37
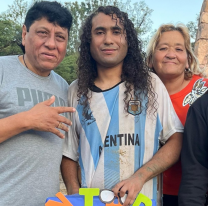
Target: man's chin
x,y
110,64
48,66
45,70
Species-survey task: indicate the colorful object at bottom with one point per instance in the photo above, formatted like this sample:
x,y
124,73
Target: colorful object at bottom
x,y
90,197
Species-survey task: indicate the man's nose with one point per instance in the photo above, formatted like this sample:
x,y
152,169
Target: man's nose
x,y
50,42
108,39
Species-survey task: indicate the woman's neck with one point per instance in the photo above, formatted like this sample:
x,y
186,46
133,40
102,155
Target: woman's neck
x,y
175,85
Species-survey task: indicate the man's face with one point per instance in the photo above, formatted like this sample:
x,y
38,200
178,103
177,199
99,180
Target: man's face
x,y
45,46
108,45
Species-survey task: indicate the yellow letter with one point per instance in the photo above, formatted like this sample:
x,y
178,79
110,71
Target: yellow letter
x,y
89,193
142,199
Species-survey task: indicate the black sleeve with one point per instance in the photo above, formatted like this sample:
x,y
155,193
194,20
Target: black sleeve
x,y
194,155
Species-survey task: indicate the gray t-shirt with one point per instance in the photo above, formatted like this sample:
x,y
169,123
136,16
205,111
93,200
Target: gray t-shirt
x,y
29,161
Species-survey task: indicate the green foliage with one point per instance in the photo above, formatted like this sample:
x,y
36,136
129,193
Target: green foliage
x,y
17,12
10,38
11,23
68,67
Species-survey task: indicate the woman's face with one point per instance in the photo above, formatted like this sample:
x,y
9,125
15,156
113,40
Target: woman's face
x,y
170,57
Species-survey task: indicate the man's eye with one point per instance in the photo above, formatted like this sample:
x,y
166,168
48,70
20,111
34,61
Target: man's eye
x,y
99,32
61,37
42,32
117,32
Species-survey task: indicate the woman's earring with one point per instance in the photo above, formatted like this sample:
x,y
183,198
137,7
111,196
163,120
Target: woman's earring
x,y
188,73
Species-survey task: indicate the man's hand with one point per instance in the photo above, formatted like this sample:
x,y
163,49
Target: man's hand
x,y
161,161
43,117
132,185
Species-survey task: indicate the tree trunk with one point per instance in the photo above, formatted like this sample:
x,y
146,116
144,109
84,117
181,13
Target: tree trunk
x,y
201,45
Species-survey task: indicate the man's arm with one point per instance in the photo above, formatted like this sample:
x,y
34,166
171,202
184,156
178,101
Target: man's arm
x,y
69,170
161,161
194,157
41,117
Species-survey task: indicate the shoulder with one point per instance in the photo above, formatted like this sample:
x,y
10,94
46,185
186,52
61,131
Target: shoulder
x,y
155,80
61,81
199,109
72,93
8,60
9,64
199,81
73,86
157,85
201,102
196,77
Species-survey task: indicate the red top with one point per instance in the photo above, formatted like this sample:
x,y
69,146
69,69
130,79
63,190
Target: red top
x,y
181,103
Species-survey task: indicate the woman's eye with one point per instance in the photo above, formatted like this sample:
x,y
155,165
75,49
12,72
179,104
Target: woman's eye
x,y
163,48
179,49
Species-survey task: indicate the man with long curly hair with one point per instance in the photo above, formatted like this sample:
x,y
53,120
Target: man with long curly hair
x,y
123,114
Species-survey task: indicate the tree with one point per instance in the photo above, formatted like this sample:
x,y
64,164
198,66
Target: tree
x,y
17,12
68,68
193,28
11,23
10,38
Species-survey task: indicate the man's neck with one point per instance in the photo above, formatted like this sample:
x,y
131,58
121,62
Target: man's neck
x,y
24,62
108,77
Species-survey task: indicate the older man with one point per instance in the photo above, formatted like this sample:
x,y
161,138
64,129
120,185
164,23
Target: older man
x,y
32,97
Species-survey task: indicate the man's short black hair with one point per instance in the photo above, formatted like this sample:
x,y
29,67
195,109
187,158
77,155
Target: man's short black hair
x,y
53,11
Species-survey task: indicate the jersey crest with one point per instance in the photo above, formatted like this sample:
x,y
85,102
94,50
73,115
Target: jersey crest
x,y
198,90
134,107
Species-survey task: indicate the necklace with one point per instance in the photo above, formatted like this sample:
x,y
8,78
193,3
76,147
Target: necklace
x,y
24,60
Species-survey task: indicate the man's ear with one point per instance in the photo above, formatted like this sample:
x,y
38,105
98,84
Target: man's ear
x,y
24,32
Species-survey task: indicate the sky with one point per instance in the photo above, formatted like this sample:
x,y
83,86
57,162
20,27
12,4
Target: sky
x,y
164,11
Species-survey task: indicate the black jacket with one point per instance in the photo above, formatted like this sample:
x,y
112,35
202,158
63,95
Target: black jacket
x,y
194,155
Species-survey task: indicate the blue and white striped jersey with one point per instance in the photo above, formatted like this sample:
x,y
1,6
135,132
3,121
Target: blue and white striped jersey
x,y
111,144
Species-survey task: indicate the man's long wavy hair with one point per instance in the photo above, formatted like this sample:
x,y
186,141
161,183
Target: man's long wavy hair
x,y
135,73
